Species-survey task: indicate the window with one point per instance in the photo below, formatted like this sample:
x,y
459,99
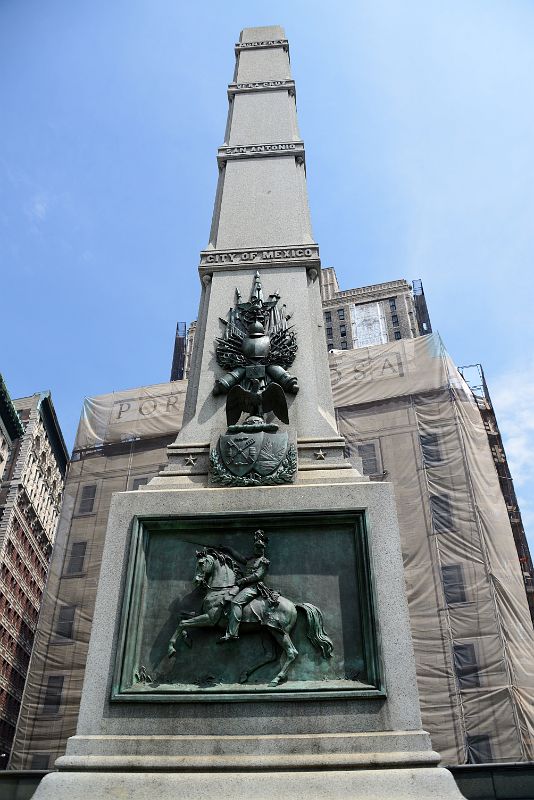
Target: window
x,y
440,508
137,482
329,333
430,448
328,316
65,622
465,666
369,324
453,584
87,499
367,453
395,319
343,345
40,761
341,313
52,698
77,557
342,330
478,749
393,305
398,335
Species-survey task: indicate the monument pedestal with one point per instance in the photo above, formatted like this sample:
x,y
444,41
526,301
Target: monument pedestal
x,y
353,736
314,784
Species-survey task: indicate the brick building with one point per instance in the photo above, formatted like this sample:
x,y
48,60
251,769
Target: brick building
x,y
33,461
120,445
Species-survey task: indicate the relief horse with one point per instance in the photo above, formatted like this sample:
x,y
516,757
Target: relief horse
x,y
217,572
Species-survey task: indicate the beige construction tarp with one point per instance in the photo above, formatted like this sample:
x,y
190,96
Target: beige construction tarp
x,y
471,626
405,409
141,413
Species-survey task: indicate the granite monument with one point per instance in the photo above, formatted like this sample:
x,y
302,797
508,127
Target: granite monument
x,y
251,634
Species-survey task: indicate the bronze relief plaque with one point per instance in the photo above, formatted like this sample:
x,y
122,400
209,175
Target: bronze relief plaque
x,y
248,607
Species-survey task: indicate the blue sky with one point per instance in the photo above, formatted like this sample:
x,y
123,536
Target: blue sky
x,y
418,119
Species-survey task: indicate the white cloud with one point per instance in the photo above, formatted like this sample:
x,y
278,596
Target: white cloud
x,y
38,207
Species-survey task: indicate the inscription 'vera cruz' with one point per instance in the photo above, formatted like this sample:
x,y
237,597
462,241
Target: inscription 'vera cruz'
x,y
262,85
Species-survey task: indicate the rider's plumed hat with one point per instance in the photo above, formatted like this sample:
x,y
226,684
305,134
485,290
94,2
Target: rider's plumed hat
x,y
260,537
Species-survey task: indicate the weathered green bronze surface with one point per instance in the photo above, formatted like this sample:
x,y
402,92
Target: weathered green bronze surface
x,y
257,348
320,562
237,596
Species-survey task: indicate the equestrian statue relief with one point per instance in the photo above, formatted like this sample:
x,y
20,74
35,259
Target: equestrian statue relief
x,y
237,599
250,585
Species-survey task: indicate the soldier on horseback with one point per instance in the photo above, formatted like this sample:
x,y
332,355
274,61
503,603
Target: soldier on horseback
x,y
250,585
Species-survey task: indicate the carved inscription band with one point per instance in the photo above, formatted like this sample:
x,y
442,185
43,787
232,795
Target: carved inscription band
x,y
260,45
260,150
210,259
261,86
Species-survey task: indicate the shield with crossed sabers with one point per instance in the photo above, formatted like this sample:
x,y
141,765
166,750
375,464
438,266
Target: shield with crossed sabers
x,y
240,451
259,452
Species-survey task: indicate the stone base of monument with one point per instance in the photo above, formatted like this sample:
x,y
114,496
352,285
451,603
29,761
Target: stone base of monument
x,y
344,723
314,784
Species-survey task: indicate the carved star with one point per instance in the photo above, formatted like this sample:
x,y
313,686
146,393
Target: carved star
x,y
190,461
319,455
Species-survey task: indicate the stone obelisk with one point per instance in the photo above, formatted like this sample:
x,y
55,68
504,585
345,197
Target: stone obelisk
x,y
261,223
288,671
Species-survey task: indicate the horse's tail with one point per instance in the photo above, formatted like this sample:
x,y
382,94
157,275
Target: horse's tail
x,y
316,632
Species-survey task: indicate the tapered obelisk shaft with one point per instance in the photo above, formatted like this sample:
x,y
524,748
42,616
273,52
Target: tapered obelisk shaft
x,y
261,223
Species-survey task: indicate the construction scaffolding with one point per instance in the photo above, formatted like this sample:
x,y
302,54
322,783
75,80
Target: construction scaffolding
x,y
406,410
473,375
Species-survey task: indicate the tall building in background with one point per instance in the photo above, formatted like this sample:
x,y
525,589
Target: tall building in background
x,y
369,315
394,311
406,412
120,445
178,356
33,462
183,347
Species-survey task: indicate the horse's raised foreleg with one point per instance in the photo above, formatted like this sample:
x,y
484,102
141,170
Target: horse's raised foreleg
x,y
289,654
245,675
200,621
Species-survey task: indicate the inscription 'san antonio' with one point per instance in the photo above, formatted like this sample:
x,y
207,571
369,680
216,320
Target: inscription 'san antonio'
x,y
260,148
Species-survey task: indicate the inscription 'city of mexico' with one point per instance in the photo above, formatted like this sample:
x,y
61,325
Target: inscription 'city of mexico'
x,y
208,258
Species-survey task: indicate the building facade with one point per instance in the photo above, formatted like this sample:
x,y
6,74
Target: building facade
x,y
369,315
404,409
120,445
32,467
395,311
